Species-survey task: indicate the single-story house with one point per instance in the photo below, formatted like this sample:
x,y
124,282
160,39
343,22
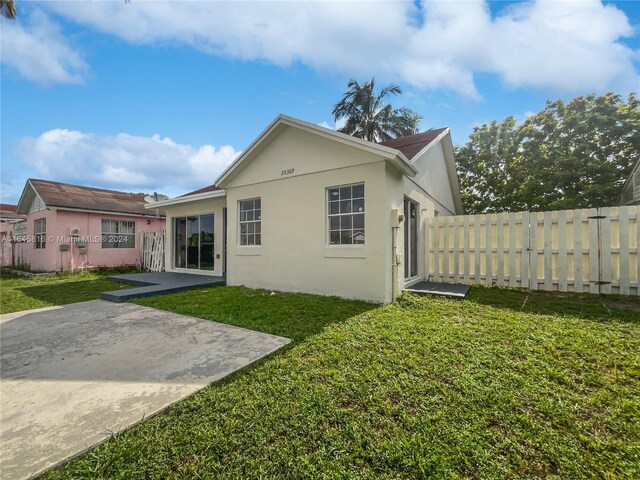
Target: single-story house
x,y
70,227
630,194
308,209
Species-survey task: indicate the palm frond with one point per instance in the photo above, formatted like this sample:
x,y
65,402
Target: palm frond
x,y
8,9
369,116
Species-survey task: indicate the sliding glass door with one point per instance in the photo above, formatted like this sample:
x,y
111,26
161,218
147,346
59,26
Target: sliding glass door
x,y
193,240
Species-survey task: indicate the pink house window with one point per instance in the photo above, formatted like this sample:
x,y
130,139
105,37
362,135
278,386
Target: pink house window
x,y
40,231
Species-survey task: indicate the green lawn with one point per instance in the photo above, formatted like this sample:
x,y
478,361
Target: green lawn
x,y
502,385
19,293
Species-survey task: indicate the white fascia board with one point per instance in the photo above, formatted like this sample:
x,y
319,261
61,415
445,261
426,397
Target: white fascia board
x,y
190,198
432,143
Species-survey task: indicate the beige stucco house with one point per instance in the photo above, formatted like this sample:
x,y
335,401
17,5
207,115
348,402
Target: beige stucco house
x,y
308,209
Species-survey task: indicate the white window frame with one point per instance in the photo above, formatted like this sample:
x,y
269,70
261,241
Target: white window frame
x,y
118,226
40,233
330,215
253,222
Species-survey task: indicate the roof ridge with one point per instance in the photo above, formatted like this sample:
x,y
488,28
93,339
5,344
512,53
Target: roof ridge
x,y
52,182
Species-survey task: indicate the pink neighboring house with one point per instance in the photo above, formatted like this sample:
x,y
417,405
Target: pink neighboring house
x,y
69,227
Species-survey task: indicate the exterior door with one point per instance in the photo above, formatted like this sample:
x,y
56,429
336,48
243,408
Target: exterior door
x,y
410,239
194,242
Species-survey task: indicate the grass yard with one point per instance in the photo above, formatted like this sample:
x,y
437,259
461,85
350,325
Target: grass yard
x,y
502,385
20,293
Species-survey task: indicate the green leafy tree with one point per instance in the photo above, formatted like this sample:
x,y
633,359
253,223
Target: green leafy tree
x,y
369,116
573,155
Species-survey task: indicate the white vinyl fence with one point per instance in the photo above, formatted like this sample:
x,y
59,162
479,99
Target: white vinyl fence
x,y
592,250
152,251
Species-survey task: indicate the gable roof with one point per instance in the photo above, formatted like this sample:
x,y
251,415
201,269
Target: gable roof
x,y
411,145
77,197
394,156
209,188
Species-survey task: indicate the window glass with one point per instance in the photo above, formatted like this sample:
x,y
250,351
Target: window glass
x,y
250,222
118,234
346,210
193,239
40,230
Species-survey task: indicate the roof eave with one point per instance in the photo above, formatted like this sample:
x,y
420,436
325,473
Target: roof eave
x,y
187,199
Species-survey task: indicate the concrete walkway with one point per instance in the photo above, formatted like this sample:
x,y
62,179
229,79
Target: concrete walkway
x,y
72,374
158,283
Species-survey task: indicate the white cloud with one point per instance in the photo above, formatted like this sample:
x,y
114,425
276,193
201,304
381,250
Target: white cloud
x,y
39,52
334,125
573,46
124,162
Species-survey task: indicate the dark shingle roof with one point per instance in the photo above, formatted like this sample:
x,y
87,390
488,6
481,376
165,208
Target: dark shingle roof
x,y
413,144
64,195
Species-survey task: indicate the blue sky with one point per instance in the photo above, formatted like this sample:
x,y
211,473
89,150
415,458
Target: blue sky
x,y
144,97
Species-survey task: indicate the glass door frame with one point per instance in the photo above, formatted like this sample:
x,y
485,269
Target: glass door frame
x,y
185,220
410,230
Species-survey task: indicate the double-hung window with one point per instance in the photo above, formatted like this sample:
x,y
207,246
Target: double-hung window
x,y
40,231
118,234
346,214
250,222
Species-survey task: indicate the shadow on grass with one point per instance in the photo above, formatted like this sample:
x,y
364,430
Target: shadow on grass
x,y
292,315
565,304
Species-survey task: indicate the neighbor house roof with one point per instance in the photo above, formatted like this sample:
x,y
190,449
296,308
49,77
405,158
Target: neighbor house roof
x,y
8,213
7,208
77,197
414,144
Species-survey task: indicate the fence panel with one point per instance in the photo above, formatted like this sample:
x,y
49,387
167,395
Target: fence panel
x,y
588,250
152,246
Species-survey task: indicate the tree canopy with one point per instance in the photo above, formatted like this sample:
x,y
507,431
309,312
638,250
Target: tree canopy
x,y
369,116
569,155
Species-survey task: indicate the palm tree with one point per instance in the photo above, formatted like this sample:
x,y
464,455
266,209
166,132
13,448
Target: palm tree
x,y
368,116
8,9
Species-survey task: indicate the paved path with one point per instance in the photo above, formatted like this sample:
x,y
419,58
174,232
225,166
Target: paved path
x,y
72,374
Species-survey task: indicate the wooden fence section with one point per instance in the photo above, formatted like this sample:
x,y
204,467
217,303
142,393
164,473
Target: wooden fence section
x,y
152,251
590,250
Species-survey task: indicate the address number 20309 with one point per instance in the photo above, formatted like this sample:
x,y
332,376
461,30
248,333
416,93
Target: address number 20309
x,y
288,171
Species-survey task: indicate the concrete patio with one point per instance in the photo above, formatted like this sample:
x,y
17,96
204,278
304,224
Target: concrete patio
x,y
71,375
158,283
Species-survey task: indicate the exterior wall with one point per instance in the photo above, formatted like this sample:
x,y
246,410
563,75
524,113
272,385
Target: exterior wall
x,y
432,177
39,260
431,190
295,255
215,206
59,224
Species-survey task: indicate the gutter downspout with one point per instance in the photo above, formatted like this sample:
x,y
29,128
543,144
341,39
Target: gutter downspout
x,y
394,264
